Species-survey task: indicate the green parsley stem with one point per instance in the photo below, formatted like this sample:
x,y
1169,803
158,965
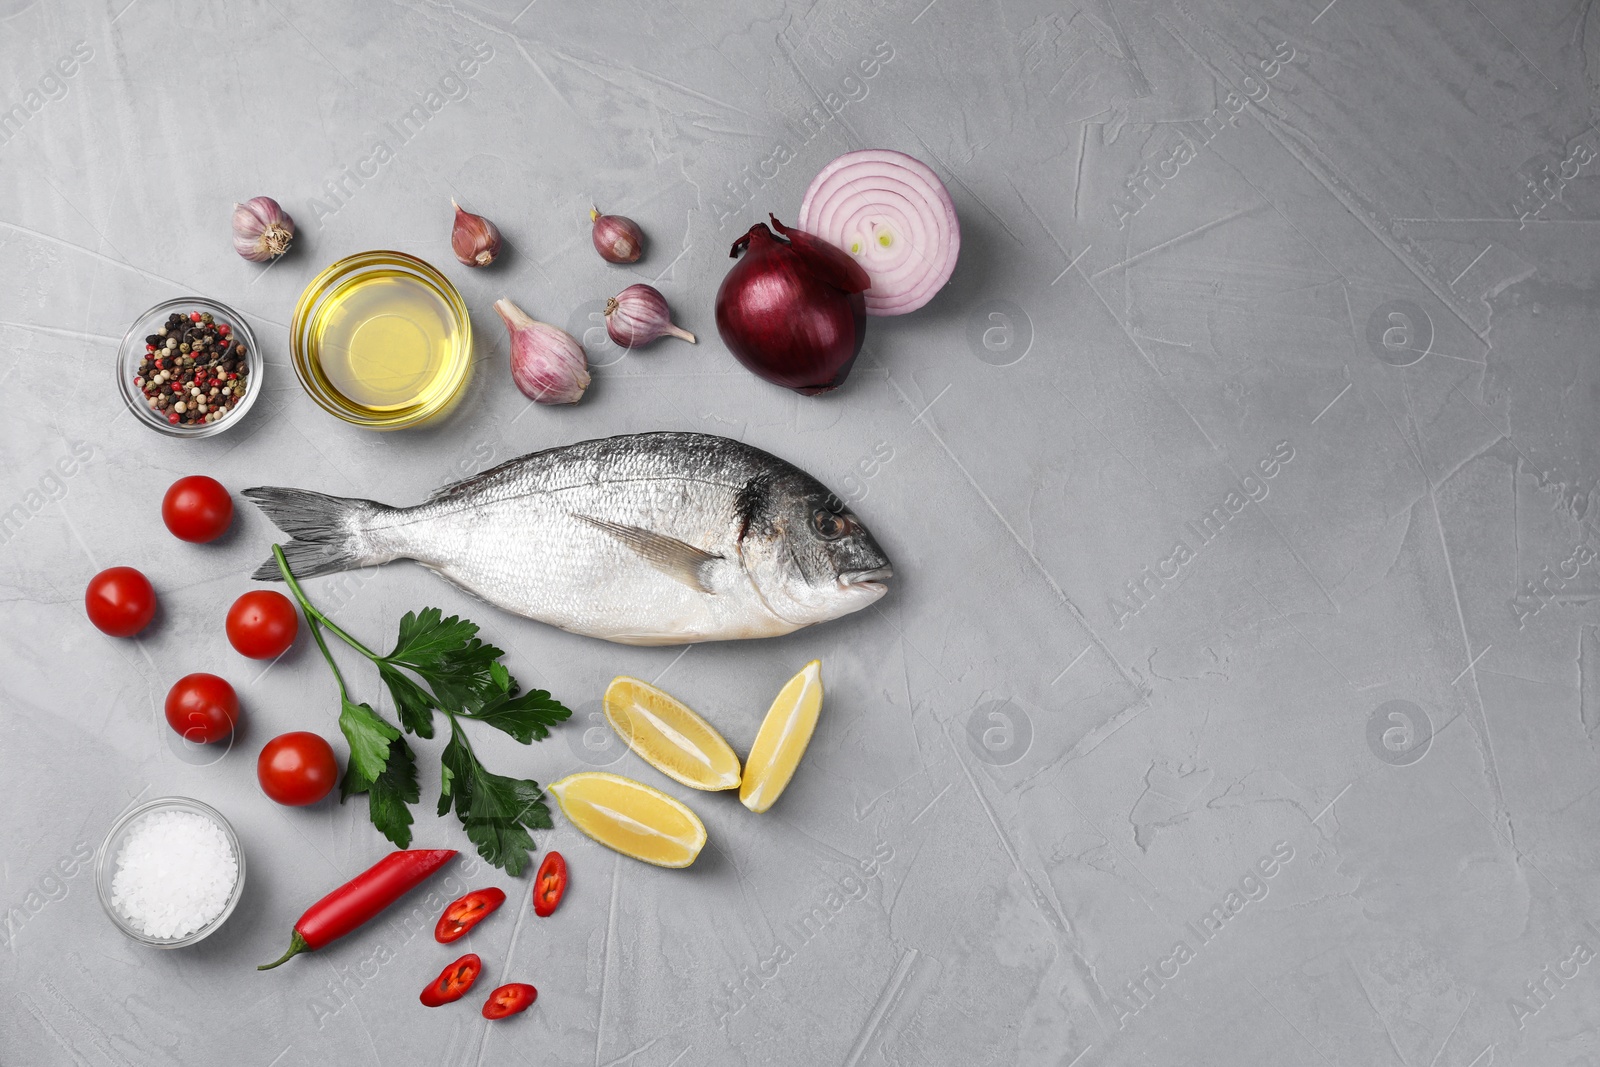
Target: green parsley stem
x,y
457,731
313,618
316,631
313,613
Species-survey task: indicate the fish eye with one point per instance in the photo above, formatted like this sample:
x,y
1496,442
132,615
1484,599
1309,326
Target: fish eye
x,y
829,525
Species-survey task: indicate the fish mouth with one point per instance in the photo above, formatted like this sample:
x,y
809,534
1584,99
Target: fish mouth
x,y
871,579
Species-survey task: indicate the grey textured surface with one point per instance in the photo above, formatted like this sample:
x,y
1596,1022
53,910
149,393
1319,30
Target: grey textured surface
x,y
1121,672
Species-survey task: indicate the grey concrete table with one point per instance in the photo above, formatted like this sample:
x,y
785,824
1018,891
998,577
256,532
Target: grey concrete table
x,y
1235,700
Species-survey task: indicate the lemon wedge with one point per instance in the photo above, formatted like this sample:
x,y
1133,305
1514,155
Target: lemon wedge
x,y
631,817
669,736
782,740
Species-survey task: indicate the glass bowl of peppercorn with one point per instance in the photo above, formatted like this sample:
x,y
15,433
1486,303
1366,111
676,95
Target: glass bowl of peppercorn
x,y
189,367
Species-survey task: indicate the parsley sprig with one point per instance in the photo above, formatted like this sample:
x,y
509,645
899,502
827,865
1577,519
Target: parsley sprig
x,y
440,665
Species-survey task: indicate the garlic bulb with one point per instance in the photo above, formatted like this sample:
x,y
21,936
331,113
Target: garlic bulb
x,y
547,363
474,239
638,315
261,229
616,238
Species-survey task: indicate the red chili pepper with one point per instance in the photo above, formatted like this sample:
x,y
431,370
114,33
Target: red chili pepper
x,y
509,999
462,915
453,982
361,898
549,884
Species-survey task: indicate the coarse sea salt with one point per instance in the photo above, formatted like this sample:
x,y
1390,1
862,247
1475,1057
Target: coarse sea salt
x,y
175,873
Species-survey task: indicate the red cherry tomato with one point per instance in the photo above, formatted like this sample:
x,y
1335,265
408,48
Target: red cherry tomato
x,y
297,768
197,509
462,915
550,884
453,982
120,601
509,999
262,624
202,708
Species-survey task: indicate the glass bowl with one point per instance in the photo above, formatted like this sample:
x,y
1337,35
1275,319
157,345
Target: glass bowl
x,y
397,305
105,867
132,351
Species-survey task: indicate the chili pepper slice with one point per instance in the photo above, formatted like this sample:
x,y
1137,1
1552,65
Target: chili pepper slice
x,y
462,915
361,899
509,999
453,982
549,884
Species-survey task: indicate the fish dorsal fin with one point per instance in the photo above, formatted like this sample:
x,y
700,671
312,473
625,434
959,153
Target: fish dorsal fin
x,y
444,492
672,557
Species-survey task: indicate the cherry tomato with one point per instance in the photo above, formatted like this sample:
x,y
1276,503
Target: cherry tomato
x,y
550,884
462,915
197,509
509,999
453,982
262,624
120,601
297,768
202,708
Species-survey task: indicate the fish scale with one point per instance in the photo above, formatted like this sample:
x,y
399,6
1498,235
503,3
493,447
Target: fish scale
x,y
656,538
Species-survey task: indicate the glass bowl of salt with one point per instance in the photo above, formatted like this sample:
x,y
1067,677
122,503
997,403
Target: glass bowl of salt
x,y
170,872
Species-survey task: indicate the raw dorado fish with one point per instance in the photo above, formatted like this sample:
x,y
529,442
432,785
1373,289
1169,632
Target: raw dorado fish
x,y
646,539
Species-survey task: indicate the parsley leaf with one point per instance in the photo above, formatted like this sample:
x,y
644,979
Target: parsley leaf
x,y
413,703
456,764
449,656
463,675
527,718
503,809
381,765
368,736
428,639
390,795
496,811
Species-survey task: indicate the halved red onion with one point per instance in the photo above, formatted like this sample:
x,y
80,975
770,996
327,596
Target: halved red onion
x,y
893,215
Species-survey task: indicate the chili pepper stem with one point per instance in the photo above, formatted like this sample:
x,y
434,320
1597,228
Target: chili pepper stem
x,y
297,945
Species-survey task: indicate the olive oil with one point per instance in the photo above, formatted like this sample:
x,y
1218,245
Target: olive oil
x,y
381,339
388,344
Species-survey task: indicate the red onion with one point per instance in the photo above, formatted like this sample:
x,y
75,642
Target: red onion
x,y
791,310
894,216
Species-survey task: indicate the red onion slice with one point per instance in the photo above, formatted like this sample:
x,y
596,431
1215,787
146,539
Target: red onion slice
x,y
893,215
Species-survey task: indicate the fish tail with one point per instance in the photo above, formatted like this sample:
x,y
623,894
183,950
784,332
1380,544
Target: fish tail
x,y
328,532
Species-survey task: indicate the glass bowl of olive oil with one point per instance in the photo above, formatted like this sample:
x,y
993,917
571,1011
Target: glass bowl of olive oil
x,y
383,340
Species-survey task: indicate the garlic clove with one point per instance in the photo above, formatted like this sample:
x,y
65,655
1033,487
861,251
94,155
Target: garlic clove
x,y
547,363
474,239
261,229
616,238
638,315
